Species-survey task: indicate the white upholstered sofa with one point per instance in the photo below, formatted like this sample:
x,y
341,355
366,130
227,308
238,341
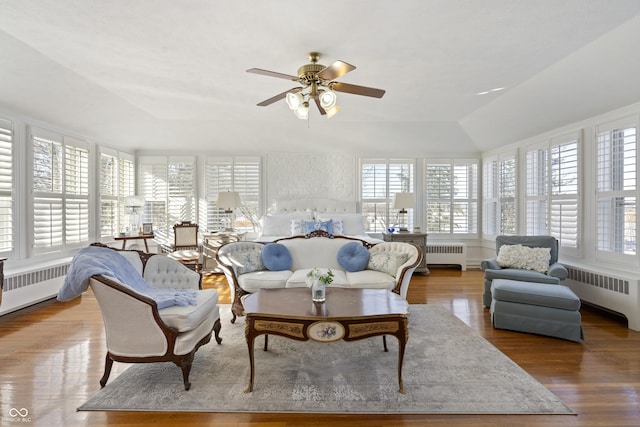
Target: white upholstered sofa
x,y
389,265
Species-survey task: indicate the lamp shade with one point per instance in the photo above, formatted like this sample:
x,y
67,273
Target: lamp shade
x,y
228,200
134,201
404,201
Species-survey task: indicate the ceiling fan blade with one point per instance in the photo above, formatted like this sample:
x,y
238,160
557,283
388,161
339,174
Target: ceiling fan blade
x,y
335,70
322,110
356,90
278,97
272,74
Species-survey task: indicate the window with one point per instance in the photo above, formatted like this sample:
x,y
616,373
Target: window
x,y
241,174
616,192
6,187
552,182
117,174
451,196
499,208
60,192
380,181
168,185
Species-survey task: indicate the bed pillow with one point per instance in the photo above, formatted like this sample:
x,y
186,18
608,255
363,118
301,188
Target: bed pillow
x,y
352,224
387,262
353,257
312,226
524,257
280,224
297,227
276,257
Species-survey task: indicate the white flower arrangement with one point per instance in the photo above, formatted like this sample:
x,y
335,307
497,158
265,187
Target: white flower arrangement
x,y
316,275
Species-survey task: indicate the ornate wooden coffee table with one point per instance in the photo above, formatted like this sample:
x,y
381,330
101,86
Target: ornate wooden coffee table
x,y
348,314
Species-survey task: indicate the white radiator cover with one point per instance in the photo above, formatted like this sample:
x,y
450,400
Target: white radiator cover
x,y
614,291
28,287
447,253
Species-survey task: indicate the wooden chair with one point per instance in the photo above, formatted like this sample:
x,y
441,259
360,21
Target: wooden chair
x,y
185,247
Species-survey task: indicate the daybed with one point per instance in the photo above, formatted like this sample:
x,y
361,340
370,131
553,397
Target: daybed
x,y
288,218
355,263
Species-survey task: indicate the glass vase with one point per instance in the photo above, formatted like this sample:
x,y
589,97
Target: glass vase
x,y
318,291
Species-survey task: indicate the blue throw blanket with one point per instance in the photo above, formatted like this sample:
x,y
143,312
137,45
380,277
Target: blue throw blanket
x,y
94,260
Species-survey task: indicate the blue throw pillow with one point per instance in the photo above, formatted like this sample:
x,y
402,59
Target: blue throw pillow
x,y
353,257
276,257
312,226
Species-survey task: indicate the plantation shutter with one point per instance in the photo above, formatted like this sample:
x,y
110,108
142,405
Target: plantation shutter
x,y
563,223
116,183
240,174
499,207
616,187
6,186
60,192
536,196
181,190
381,179
451,196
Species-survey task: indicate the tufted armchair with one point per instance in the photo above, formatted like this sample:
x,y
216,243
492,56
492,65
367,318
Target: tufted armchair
x,y
492,270
138,331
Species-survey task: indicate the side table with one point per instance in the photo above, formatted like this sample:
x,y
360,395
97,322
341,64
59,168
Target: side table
x,y
142,237
418,239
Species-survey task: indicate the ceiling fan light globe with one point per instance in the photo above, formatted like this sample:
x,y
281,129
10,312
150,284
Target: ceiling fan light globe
x,y
328,99
302,112
294,100
332,111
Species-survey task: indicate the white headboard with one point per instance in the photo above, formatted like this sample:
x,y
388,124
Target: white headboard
x,y
317,205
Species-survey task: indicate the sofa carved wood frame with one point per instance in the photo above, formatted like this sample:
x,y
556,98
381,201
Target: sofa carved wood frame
x,y
183,361
237,308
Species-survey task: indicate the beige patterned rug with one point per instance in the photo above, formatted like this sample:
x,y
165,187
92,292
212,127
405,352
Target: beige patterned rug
x,y
448,369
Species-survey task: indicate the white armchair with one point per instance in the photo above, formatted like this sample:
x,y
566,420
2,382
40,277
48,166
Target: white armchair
x,y
170,334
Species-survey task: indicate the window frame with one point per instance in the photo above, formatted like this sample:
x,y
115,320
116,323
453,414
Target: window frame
x,y
382,214
495,200
71,196
549,165
471,167
612,194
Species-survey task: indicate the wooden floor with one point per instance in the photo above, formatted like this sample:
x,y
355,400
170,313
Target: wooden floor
x,y
52,356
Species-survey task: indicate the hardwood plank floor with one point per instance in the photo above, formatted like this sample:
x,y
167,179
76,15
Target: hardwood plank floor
x,y
52,357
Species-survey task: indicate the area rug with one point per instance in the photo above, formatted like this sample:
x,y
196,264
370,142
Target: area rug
x,y
448,369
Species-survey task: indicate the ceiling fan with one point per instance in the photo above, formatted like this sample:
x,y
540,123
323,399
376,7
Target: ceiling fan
x,y
318,84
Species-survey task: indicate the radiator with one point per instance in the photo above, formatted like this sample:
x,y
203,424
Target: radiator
x,y
447,253
24,288
617,292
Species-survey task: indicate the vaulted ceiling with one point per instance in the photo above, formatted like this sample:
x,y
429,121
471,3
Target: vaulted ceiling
x,y
169,75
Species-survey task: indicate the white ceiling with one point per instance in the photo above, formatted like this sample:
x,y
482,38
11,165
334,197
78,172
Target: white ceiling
x,y
169,75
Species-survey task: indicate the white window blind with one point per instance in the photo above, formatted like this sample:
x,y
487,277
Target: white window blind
x,y
6,186
117,174
552,182
169,187
380,180
617,187
240,174
451,196
499,204
60,192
